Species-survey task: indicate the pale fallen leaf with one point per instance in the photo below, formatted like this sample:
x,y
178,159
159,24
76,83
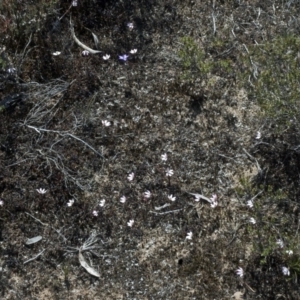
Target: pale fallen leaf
x,y
237,296
33,240
84,264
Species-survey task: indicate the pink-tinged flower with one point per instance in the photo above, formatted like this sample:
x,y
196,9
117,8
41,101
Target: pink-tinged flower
x,y
169,172
280,243
74,3
102,202
240,272
130,26
133,51
95,213
71,202
258,135
164,157
123,57
106,123
189,235
130,176
85,53
285,271
250,203
213,198
214,201
130,223
147,194
41,191
123,199
172,198
106,57
1,202
253,221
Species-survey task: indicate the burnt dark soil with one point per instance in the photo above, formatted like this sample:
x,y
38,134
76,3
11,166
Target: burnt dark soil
x,y
191,91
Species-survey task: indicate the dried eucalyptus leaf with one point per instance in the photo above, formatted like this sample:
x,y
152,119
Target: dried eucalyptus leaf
x,y
201,196
87,266
80,44
33,240
96,40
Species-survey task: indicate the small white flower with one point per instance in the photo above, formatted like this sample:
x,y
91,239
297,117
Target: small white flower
x,y
147,194
130,223
133,51
102,202
41,191
130,176
285,271
258,135
280,243
74,3
85,53
106,57
289,252
95,213
56,53
214,201
11,70
252,220
106,123
130,26
240,272
169,172
164,157
250,203
71,202
189,235
171,197
1,202
213,204
123,199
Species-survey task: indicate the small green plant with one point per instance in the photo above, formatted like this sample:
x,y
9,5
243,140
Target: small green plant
x,y
197,64
294,264
275,76
193,59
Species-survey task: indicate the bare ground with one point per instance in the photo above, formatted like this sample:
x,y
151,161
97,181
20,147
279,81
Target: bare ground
x,y
53,137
